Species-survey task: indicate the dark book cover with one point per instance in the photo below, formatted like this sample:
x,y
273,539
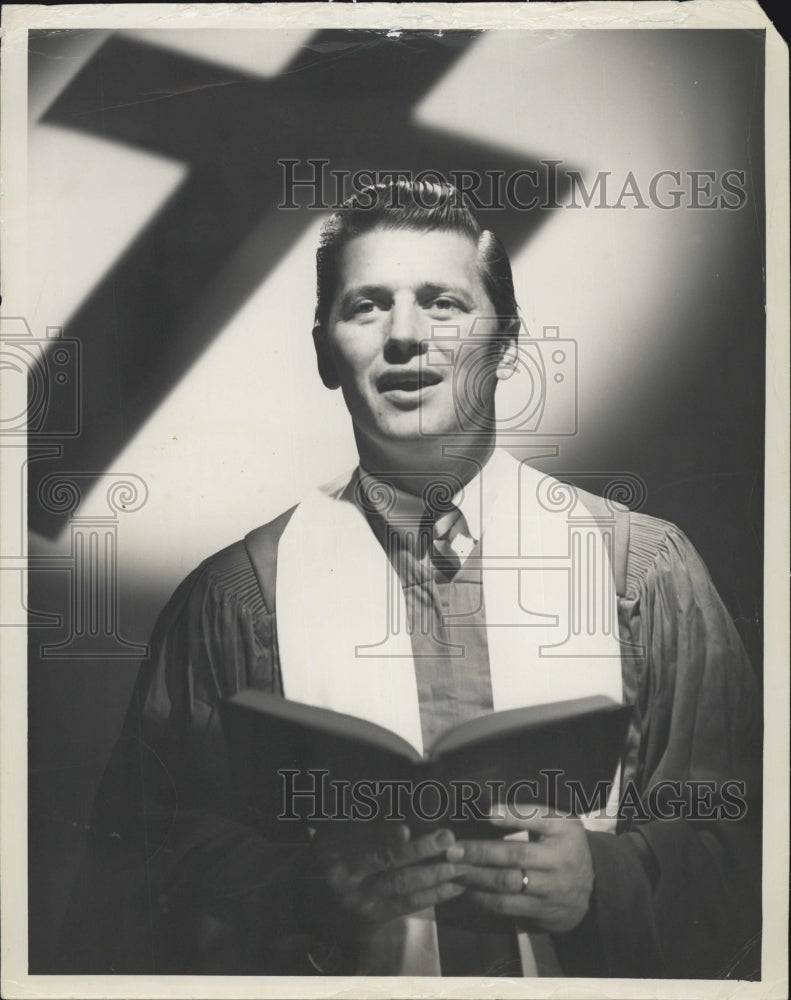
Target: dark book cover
x,y
293,761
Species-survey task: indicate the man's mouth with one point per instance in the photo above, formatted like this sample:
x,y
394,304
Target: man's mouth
x,y
411,380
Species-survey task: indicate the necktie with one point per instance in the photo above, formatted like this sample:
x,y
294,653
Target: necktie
x,y
451,542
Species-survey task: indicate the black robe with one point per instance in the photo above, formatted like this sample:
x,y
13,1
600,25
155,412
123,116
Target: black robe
x,y
177,881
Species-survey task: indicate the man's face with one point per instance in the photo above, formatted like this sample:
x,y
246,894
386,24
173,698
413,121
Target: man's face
x,y
400,327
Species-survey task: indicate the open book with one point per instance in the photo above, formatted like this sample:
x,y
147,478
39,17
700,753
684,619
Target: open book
x,y
292,760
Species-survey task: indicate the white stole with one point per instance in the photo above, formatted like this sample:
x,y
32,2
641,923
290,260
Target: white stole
x,y
343,644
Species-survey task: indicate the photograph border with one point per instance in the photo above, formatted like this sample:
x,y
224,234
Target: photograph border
x,y
696,14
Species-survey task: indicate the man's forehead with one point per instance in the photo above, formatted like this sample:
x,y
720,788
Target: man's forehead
x,y
411,256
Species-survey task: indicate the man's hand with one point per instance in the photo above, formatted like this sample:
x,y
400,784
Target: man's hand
x,y
378,873
556,860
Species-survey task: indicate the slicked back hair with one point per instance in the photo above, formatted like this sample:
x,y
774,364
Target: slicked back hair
x,y
425,206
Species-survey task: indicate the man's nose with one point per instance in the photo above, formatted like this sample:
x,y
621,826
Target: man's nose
x,y
406,333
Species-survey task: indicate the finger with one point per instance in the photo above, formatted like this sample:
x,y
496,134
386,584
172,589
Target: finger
x,y
520,905
500,853
338,876
387,842
381,910
380,858
502,880
382,847
362,847
507,880
416,878
432,897
431,845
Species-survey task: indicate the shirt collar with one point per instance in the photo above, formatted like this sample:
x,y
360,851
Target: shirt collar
x,y
401,509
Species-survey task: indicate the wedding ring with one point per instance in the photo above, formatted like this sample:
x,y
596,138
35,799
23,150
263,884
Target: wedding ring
x,y
525,880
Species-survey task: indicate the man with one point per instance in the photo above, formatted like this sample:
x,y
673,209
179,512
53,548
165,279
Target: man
x,y
416,322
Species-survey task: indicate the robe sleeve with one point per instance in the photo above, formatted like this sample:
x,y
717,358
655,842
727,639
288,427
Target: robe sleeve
x,y
680,896
175,879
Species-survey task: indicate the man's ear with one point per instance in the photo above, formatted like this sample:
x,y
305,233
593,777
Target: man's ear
x,y
509,352
326,363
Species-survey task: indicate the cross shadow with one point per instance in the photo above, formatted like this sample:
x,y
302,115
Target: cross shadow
x,y
346,97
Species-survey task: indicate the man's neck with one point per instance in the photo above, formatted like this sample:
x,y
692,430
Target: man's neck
x,y
413,466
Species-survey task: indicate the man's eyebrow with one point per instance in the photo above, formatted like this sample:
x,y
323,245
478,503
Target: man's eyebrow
x,y
366,292
428,288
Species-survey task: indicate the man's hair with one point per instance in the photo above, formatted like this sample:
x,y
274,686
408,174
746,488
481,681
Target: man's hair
x,y
427,206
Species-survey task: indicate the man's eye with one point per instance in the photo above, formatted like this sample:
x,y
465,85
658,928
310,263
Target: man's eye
x,y
443,304
363,306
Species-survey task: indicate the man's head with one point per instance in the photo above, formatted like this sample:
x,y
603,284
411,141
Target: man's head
x,y
416,316
421,206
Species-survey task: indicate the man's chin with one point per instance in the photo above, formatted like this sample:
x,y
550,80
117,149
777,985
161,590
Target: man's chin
x,y
408,430
418,428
